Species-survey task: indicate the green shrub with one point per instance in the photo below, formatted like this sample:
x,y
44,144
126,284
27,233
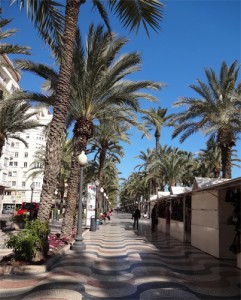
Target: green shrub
x,y
21,218
29,240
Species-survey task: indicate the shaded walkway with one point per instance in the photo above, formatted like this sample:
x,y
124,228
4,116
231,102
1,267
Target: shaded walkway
x,y
120,263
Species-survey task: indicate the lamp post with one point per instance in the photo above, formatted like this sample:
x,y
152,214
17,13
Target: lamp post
x,y
102,201
31,204
78,244
55,199
107,205
97,183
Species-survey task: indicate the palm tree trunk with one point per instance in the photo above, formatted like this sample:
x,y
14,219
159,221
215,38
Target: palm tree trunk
x,y
83,130
157,136
226,161
226,141
72,197
2,143
57,126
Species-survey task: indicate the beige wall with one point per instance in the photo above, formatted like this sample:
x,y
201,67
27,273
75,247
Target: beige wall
x,y
210,233
205,224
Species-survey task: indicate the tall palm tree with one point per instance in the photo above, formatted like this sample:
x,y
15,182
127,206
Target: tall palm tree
x,y
111,180
130,13
216,113
156,118
102,84
100,91
105,145
150,177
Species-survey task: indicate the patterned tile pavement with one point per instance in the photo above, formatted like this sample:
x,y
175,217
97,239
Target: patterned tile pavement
x,y
122,263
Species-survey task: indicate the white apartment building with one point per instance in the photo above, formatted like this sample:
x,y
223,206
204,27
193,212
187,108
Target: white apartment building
x,y
16,157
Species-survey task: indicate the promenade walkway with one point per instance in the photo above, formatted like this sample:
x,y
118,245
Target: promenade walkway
x,y
122,263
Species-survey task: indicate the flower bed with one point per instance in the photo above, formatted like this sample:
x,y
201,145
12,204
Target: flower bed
x,y
56,243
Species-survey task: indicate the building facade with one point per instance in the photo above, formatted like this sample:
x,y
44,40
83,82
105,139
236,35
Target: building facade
x,y
17,158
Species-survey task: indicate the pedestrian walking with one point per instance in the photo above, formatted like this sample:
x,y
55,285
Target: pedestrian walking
x,y
154,218
136,216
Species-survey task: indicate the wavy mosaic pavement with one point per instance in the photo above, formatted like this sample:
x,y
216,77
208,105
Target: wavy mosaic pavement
x,y
120,263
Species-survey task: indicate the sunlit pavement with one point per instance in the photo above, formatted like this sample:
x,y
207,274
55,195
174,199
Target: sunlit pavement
x,y
122,263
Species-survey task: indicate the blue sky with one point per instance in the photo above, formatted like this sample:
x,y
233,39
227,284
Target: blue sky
x,y
195,35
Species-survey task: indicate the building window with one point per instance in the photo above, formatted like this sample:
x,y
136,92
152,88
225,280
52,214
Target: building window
x,y
14,174
5,163
38,146
37,184
39,137
7,146
16,154
4,177
25,154
14,183
7,193
38,165
10,163
15,163
23,183
25,164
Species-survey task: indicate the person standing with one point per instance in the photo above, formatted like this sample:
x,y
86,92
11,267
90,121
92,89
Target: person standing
x,y
136,216
154,218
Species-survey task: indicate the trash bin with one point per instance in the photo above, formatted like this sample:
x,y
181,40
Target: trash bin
x,y
92,224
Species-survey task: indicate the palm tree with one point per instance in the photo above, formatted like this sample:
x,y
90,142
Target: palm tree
x,y
47,18
216,113
175,165
37,166
15,117
111,180
209,159
133,189
6,48
156,118
150,177
100,91
105,145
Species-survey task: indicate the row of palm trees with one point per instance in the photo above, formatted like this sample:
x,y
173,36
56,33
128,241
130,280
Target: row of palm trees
x,y
94,97
170,167
102,92
59,31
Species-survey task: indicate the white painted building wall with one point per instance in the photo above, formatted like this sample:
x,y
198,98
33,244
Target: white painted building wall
x,y
18,159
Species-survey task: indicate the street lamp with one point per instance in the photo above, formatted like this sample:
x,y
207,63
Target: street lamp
x,y
31,204
102,199
55,199
97,183
78,244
